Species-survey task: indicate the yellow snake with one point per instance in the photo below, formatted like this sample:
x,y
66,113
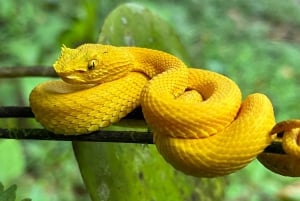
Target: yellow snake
x,y
200,124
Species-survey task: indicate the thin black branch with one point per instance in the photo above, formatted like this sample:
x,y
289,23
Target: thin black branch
x,y
25,112
35,71
16,112
98,136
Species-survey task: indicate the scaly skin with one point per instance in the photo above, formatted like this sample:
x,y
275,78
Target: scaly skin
x,y
285,164
200,125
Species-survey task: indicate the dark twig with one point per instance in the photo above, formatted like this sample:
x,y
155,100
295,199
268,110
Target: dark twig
x,y
99,136
144,137
25,112
16,112
12,72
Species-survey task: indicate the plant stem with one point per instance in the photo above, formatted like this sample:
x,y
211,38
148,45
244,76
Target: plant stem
x,y
35,71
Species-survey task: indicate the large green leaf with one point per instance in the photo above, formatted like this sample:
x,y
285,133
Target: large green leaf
x,y
128,172
134,25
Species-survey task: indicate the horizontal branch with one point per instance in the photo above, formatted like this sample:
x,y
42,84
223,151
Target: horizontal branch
x,y
16,112
34,71
25,112
144,137
98,136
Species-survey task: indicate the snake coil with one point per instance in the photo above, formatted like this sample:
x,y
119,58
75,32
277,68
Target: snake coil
x,y
200,124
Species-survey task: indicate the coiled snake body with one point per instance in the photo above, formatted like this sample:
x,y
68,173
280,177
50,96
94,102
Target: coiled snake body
x,y
200,125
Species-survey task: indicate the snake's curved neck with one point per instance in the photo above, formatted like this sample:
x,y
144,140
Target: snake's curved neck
x,y
153,62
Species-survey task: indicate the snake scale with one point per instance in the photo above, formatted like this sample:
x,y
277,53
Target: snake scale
x,y
200,124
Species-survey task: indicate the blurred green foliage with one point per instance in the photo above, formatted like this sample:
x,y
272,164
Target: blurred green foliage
x,y
256,43
9,194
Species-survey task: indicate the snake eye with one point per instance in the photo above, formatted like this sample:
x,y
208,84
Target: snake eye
x,y
92,64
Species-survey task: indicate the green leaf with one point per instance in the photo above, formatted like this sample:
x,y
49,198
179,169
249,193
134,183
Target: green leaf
x,y
11,150
133,25
116,171
8,194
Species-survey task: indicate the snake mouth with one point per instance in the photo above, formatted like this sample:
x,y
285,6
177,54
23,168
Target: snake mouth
x,y
73,79
78,79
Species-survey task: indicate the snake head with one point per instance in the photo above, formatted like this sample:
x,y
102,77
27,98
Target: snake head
x,y
93,64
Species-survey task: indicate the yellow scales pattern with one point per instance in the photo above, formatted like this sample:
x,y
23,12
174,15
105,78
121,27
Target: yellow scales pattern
x,y
200,124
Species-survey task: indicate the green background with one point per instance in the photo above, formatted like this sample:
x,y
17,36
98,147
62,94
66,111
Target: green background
x,y
255,43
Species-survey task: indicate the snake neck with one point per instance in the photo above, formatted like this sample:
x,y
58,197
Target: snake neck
x,y
153,62
163,69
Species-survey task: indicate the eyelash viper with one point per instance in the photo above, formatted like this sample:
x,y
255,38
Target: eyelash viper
x,y
199,122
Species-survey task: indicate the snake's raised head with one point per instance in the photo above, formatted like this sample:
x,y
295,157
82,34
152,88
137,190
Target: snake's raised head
x,y
93,63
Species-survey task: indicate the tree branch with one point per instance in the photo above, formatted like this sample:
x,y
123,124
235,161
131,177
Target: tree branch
x,y
35,71
98,136
25,112
16,112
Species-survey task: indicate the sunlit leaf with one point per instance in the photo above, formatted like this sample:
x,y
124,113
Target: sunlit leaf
x,y
134,25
